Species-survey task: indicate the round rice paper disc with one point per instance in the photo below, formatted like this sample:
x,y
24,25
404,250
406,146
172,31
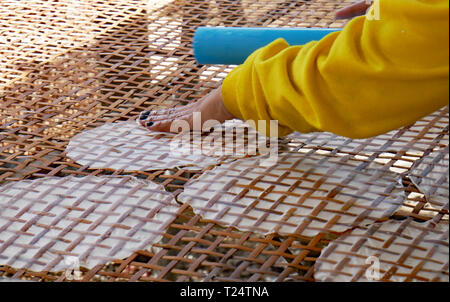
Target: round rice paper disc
x,y
130,147
303,194
52,223
389,251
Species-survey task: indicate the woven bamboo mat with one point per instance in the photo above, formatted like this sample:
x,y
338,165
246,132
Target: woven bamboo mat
x,y
70,66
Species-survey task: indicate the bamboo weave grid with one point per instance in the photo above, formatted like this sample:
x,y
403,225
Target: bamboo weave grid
x,y
67,67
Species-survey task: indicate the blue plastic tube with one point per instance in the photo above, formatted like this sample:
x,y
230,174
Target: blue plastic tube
x,y
232,45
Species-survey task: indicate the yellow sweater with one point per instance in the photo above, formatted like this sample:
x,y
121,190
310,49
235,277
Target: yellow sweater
x,y
372,77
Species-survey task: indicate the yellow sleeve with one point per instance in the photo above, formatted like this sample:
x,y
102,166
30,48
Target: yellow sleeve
x,y
372,77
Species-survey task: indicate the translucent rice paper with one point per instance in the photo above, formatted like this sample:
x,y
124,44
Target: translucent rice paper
x,y
390,251
130,147
302,193
55,223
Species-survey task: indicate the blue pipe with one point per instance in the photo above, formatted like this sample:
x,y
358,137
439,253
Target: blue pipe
x,y
232,45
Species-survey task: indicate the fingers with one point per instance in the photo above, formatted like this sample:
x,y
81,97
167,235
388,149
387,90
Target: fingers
x,y
161,120
163,114
357,9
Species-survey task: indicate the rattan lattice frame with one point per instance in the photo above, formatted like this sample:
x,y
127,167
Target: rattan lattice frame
x,y
66,69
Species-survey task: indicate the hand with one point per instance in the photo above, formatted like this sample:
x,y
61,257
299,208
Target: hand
x,y
354,10
211,107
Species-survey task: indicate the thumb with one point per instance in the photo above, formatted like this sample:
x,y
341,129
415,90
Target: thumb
x,y
356,9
